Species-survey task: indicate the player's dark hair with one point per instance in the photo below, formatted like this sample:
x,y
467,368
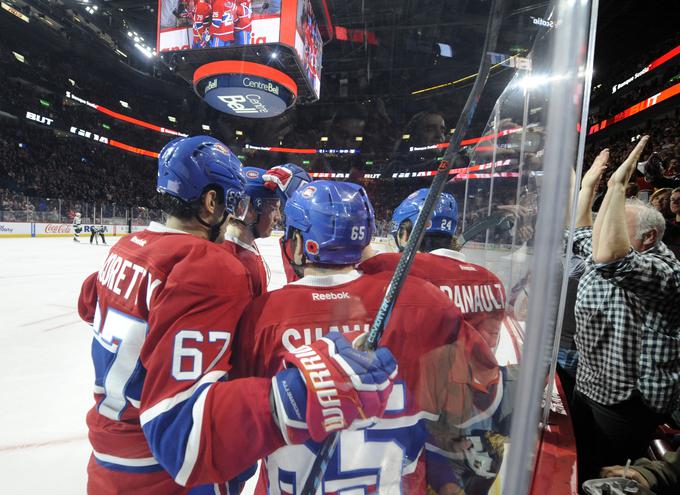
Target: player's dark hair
x,y
432,241
185,210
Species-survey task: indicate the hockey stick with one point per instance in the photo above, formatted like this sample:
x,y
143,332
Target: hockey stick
x,y
504,220
451,156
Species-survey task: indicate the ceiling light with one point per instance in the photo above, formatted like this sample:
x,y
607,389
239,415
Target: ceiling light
x,y
124,104
359,138
171,118
324,138
239,133
406,136
205,127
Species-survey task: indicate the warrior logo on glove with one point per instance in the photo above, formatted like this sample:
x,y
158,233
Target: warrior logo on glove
x,y
329,386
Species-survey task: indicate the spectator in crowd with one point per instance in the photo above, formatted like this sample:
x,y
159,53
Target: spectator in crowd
x,y
660,201
425,129
628,323
632,190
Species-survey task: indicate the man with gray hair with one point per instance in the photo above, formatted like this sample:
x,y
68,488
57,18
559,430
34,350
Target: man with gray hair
x,y
627,323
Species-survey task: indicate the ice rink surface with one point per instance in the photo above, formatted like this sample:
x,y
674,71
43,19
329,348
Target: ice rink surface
x,y
45,368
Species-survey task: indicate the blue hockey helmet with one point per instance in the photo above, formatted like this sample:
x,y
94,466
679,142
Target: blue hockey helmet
x,y
336,221
187,165
300,178
255,189
444,217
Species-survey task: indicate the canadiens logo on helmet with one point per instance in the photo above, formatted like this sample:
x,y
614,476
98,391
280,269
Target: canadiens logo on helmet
x,y
222,148
251,174
312,247
308,192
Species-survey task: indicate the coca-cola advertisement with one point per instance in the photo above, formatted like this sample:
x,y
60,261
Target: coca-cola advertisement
x,y
53,229
57,228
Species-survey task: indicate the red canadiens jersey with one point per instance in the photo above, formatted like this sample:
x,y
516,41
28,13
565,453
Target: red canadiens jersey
x,y
387,456
476,292
252,261
163,309
223,14
244,16
201,20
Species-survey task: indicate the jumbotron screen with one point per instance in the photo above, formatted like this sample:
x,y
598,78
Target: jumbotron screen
x,y
206,24
194,24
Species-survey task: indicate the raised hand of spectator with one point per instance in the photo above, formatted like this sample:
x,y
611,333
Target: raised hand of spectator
x,y
589,183
625,171
610,233
592,177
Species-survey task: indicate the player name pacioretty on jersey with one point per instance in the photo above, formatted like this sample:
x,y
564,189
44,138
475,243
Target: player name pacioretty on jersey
x,y
325,389
116,270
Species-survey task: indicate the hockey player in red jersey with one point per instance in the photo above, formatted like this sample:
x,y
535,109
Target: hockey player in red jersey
x,y
201,16
262,215
163,310
478,293
222,25
469,390
285,180
243,24
328,224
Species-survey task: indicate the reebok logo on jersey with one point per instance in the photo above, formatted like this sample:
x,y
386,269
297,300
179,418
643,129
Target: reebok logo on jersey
x,y
138,241
316,296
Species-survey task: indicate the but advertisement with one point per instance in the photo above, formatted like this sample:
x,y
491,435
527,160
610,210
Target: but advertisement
x,y
196,24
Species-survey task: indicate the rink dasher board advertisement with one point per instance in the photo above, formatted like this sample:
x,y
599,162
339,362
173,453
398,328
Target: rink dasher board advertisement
x,y
11,229
25,229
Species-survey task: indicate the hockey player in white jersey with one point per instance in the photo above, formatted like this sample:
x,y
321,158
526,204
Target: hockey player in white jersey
x,y
77,227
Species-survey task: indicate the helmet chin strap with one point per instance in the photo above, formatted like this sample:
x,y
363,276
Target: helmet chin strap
x,y
297,268
252,227
215,228
397,243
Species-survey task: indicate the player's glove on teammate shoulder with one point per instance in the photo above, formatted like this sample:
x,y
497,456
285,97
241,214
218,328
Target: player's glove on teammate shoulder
x,y
329,386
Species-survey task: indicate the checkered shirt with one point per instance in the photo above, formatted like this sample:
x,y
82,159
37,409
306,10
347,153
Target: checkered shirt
x,y
628,326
